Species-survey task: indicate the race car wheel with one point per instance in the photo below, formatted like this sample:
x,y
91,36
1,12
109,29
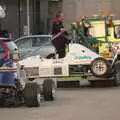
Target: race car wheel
x,y
49,89
52,55
32,95
2,101
100,67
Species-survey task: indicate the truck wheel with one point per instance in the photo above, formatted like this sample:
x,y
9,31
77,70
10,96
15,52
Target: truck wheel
x,y
32,95
117,73
116,80
100,67
49,89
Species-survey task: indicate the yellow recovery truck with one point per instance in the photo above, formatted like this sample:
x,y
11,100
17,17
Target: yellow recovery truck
x,y
108,36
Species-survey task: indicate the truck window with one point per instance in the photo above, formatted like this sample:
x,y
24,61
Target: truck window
x,y
117,31
97,30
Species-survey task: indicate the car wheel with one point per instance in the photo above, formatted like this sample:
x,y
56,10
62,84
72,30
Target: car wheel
x,y
32,95
49,89
100,67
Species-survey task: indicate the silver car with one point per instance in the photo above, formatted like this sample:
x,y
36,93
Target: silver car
x,y
34,45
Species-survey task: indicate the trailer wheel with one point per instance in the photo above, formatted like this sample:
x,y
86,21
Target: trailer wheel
x,y
49,89
100,67
32,95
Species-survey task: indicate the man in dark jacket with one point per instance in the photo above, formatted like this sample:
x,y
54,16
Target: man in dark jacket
x,y
61,41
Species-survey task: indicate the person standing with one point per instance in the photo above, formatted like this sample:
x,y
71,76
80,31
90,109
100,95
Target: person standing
x,y
85,25
60,43
60,36
57,23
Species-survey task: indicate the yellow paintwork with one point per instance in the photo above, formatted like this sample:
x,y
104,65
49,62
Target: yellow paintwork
x,y
98,31
104,47
72,78
104,50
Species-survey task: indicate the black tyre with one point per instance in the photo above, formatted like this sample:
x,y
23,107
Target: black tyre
x,y
117,73
101,67
52,55
32,95
2,101
49,89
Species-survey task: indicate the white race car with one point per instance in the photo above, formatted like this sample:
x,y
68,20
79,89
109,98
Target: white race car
x,y
78,62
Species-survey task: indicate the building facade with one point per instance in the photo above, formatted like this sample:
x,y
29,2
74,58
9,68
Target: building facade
x,y
18,19
75,9
41,12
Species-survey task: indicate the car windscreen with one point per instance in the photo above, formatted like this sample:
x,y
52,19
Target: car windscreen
x,y
41,41
24,42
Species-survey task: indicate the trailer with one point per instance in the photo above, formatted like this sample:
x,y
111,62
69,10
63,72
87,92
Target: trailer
x,y
79,62
105,32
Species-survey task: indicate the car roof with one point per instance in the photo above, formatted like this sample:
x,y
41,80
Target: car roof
x,y
31,36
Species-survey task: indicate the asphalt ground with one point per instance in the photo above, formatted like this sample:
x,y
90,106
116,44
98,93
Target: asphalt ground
x,y
83,103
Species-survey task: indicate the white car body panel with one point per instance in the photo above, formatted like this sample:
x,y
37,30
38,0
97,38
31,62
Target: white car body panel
x,y
77,55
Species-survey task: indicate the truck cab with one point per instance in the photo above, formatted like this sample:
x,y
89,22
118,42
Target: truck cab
x,y
108,37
